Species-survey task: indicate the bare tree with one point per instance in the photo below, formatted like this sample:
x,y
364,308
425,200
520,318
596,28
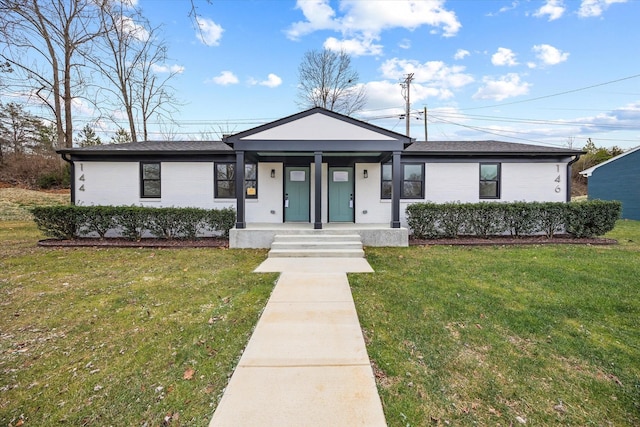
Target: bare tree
x,y
42,40
131,52
327,79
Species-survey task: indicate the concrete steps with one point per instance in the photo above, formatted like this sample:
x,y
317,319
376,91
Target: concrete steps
x,y
317,245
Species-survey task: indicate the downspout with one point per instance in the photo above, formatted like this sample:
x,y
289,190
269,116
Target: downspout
x,y
569,176
72,178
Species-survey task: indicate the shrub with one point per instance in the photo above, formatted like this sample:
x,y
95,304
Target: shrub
x,y
132,222
592,218
423,218
59,222
485,219
580,219
453,219
221,220
98,219
520,218
551,218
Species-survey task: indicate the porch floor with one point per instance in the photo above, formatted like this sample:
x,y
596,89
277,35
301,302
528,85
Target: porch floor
x,y
260,235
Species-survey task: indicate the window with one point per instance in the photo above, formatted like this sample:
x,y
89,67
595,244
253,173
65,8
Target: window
x,y
489,180
412,185
150,180
225,180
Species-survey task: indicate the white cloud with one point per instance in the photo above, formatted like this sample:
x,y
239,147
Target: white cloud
x,y
461,54
504,87
591,8
622,118
130,27
224,79
404,44
504,56
208,32
174,69
272,81
365,20
353,47
504,9
429,72
554,9
549,55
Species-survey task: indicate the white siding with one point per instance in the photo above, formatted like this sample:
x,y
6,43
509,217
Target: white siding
x,y
319,127
268,206
370,209
192,184
107,183
534,182
452,182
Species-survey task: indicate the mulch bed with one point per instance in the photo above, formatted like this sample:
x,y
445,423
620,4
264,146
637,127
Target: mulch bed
x,y
213,242
562,239
205,242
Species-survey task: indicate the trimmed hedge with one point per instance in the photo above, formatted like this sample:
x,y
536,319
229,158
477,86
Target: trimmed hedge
x,y
132,222
580,219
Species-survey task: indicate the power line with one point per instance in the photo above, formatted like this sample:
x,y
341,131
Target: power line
x,y
555,94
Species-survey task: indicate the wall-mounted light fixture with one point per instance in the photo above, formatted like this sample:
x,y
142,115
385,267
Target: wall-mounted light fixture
x,y
273,173
366,173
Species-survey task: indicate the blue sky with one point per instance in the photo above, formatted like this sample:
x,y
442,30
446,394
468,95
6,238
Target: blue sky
x,y
549,72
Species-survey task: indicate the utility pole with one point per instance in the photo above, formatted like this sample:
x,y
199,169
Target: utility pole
x,y
426,136
406,89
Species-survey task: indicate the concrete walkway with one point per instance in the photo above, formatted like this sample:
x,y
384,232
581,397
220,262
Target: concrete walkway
x,y
306,363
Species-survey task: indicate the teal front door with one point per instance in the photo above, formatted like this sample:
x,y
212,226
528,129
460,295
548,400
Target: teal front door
x,y
341,194
296,194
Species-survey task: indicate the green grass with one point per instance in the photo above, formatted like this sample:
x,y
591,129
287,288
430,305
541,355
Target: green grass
x,y
482,336
468,336
15,202
105,336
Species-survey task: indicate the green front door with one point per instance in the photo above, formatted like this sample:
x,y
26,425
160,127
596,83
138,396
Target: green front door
x,y
341,194
296,197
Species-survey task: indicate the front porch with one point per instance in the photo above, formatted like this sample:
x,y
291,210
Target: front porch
x,y
261,235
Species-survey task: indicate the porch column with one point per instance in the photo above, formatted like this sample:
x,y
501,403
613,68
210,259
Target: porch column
x,y
317,215
240,221
395,193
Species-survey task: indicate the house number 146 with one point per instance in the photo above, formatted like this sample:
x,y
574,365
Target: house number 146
x,y
558,179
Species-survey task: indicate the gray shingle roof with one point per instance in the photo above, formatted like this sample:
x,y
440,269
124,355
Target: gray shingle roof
x,y
484,147
153,147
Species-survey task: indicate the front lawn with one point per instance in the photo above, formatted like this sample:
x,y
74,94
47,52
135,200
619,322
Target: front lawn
x,y
543,335
100,337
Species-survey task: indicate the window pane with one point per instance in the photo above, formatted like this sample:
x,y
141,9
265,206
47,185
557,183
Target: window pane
x,y
386,173
226,189
151,171
386,190
224,171
250,171
488,172
413,172
488,189
151,189
412,189
250,188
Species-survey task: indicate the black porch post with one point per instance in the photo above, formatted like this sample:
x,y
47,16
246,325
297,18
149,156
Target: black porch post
x,y
317,215
395,193
240,222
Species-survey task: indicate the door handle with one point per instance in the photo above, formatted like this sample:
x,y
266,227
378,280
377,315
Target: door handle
x,y
351,201
286,200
